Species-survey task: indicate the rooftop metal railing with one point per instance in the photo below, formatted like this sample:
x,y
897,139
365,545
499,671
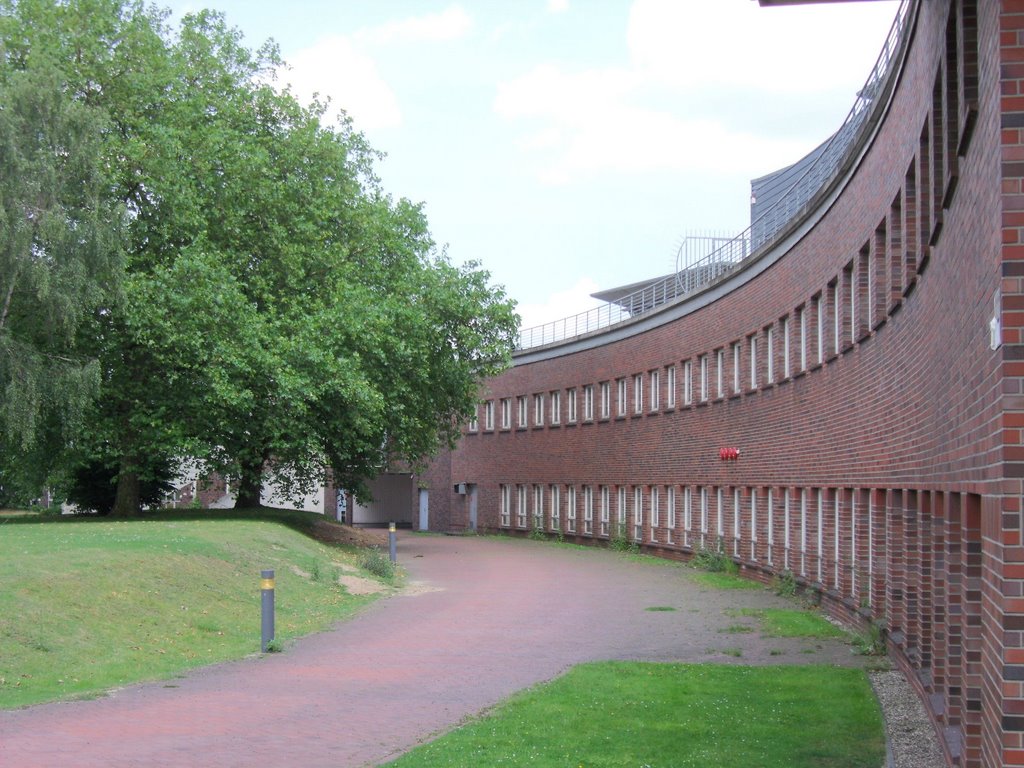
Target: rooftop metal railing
x,y
692,276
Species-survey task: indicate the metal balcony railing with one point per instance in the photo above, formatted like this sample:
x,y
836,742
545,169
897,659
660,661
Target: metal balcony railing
x,y
694,275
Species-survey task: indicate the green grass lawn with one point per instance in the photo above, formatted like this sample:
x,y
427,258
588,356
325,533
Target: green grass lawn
x,y
781,622
91,604
617,714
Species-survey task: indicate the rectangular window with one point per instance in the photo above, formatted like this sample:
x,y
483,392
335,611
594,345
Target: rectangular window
x,y
522,409
570,396
670,387
720,377
655,512
588,510
687,383
837,320
821,520
786,369
474,424
819,316
506,506
638,513
736,368
769,352
719,515
771,527
538,410
506,413
538,507
753,523
521,506
620,518
621,386
703,378
638,393
588,402
655,390
570,508
687,516
803,531
489,415
606,399
752,341
556,407
703,516
556,508
736,525
605,510
802,317
670,513
786,537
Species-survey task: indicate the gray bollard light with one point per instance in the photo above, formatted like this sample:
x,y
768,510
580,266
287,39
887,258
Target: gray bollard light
x,y
267,609
392,543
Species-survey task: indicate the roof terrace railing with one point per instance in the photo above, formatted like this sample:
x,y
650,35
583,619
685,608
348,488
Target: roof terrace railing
x,y
692,276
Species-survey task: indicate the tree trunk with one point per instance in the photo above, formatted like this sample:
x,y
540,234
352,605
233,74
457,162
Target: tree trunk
x,y
127,502
249,484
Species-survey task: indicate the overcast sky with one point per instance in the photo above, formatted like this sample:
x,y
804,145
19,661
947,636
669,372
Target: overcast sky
x,y
569,145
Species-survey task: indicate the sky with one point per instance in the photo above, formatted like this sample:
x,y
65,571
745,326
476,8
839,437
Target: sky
x,y
569,145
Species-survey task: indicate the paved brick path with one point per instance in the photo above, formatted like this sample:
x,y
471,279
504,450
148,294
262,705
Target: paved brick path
x,y
485,617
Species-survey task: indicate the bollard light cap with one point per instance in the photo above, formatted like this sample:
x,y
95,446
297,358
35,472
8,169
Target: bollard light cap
x,y
391,527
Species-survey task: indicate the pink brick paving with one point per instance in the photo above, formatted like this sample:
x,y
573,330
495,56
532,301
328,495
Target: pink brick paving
x,y
502,615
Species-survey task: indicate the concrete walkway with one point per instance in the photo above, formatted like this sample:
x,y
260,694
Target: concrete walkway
x,y
483,618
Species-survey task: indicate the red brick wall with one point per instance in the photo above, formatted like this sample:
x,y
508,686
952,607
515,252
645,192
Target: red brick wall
x,y
911,433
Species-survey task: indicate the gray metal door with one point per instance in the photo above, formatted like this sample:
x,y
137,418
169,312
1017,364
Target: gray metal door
x,y
424,509
472,507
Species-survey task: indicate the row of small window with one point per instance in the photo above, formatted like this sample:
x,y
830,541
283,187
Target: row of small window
x,y
726,367
683,516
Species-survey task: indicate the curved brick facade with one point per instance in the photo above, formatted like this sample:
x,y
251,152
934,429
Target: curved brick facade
x,y
882,463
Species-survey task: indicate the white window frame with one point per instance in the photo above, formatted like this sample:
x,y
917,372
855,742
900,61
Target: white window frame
x,y
703,515
655,512
820,323
588,510
489,416
786,363
753,524
737,526
670,513
752,340
588,402
770,512
523,412
720,373
638,393
821,535
570,396
670,386
837,321
786,536
638,513
505,492
719,516
538,507
654,384
556,407
506,413
556,510
687,382
736,377
622,398
605,511
474,423
521,512
769,338
538,410
703,378
606,399
570,508
687,514
803,532
621,513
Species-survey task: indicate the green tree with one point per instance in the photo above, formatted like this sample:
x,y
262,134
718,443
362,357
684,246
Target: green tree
x,y
60,258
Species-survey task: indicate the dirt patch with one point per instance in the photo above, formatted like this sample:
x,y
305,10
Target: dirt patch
x,y
357,585
333,533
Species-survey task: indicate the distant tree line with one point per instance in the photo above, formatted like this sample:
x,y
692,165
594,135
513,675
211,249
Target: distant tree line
x,y
195,264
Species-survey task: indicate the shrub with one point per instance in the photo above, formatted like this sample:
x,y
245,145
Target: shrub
x,y
377,563
785,584
714,560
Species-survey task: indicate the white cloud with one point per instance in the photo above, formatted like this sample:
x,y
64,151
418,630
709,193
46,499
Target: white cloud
x,y
342,68
634,117
335,68
450,24
560,305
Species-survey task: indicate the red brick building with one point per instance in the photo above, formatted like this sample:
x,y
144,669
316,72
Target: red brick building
x,y
866,363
